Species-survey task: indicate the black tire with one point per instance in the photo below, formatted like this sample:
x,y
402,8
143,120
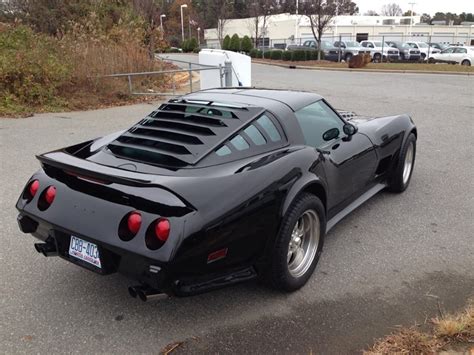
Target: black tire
x,y
466,62
396,181
348,57
377,57
277,274
423,56
431,60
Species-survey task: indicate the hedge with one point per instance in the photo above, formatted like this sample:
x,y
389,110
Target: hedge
x,y
286,55
276,54
267,54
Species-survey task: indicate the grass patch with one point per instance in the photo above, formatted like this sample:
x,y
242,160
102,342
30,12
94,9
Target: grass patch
x,y
383,66
446,333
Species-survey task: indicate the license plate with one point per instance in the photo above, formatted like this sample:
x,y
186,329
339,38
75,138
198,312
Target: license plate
x,y
84,250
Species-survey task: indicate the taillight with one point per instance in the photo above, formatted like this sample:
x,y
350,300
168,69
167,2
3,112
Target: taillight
x,y
134,222
130,225
33,188
47,197
50,194
162,230
157,233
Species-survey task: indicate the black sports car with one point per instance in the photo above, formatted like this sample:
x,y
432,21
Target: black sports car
x,y
214,188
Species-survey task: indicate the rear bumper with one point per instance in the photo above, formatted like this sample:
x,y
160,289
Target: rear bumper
x,y
137,267
153,275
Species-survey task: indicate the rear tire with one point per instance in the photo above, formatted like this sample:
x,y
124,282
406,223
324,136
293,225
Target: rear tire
x,y
401,175
298,245
466,62
348,57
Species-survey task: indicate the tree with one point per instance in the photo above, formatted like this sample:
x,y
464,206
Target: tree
x,y
260,12
425,18
391,9
246,44
150,13
371,13
321,12
235,43
408,13
226,43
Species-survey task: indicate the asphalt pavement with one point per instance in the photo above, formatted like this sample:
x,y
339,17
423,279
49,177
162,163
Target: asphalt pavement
x,y
397,260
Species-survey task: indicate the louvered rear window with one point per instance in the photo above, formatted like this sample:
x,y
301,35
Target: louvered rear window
x,y
180,133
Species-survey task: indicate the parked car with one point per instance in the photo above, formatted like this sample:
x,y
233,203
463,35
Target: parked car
x,y
424,48
169,202
437,45
460,55
406,52
330,52
350,49
381,50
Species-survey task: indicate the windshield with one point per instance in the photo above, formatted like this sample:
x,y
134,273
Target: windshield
x,y
352,44
326,44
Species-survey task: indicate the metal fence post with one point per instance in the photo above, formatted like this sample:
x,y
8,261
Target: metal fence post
x,y
228,73
130,84
221,75
429,47
174,84
190,78
340,50
383,42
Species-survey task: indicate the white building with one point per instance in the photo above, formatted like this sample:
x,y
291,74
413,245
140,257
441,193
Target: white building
x,y
284,29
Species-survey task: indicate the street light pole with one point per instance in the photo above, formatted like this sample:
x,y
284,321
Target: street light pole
x,y
182,22
161,22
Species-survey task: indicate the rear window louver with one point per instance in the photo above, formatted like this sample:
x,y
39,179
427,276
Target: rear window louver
x,y
180,133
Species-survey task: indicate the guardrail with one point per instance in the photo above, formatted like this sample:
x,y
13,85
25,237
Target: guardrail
x,y
224,74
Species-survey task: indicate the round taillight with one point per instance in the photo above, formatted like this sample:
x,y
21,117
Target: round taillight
x,y
134,222
50,194
34,187
162,230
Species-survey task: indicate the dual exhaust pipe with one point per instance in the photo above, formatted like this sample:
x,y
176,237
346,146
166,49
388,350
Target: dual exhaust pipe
x,y
145,293
142,292
47,249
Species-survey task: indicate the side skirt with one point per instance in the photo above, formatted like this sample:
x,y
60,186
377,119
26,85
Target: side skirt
x,y
356,203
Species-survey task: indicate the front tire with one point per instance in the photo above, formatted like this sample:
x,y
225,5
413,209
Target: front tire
x,y
298,245
348,57
401,175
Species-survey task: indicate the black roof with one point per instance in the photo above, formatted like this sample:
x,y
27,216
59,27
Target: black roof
x,y
266,98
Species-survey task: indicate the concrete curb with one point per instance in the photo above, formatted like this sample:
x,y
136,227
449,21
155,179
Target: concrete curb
x,y
394,71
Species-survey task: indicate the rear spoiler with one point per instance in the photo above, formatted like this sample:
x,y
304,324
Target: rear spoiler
x,y
72,164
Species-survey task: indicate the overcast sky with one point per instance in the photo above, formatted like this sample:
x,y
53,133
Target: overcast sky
x,y
421,6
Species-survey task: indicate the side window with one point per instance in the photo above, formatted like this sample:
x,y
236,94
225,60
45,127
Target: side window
x,y
364,44
370,45
315,119
267,125
262,134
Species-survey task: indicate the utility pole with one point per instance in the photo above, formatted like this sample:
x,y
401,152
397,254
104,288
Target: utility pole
x,y
411,17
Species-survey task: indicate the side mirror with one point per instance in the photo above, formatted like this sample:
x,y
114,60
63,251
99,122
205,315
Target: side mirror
x,y
331,134
349,130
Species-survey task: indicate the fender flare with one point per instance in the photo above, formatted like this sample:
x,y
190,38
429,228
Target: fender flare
x,y
307,182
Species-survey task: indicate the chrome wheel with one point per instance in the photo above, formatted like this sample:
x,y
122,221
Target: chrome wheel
x,y
407,167
303,244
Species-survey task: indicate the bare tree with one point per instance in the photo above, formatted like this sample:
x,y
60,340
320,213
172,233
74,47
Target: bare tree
x,y
392,9
260,12
320,14
150,13
371,13
221,10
